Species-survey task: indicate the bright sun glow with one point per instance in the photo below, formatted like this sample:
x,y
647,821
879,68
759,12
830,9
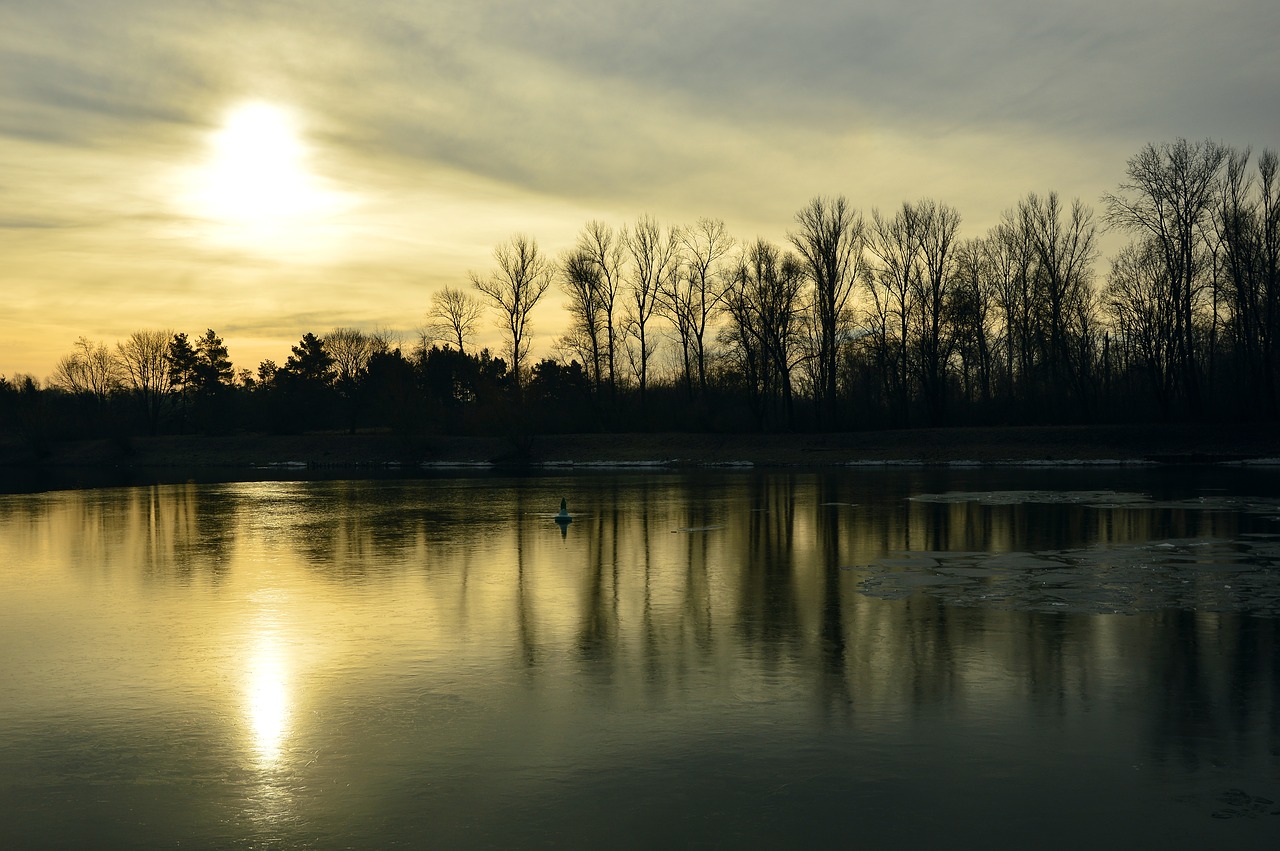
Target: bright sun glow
x,y
268,700
256,180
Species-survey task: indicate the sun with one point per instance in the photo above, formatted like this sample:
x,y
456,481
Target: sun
x,y
255,179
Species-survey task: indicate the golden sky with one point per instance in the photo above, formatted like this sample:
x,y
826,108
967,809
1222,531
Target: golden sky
x,y
268,168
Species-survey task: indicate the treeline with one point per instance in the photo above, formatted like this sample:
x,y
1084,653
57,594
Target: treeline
x,y
889,319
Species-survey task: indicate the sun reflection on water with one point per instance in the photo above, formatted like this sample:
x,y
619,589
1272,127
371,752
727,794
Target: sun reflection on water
x,y
268,699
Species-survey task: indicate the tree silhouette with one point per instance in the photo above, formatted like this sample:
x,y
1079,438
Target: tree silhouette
x,y
1247,228
454,316
213,370
655,259
1143,312
1169,196
1065,249
608,252
893,283
829,242
887,321
515,287
581,281
969,312
694,295
351,350
937,227
91,369
183,380
310,361
142,357
763,300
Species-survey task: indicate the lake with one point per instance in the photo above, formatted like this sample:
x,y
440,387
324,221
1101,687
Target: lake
x,y
910,657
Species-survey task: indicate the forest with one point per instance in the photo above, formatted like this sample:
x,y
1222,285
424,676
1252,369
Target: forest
x,y
885,319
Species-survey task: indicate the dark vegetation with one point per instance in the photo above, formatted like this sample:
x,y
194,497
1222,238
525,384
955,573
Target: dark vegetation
x,y
885,321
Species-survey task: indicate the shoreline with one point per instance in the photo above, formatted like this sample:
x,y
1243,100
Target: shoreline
x,y
969,446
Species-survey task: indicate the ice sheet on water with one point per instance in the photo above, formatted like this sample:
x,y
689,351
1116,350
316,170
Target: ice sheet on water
x,y
1104,499
606,465
1044,497
1254,462
1241,574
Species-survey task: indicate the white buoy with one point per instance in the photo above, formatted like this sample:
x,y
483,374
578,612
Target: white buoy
x,y
563,516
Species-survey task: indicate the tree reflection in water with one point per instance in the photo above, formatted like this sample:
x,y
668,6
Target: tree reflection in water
x,y
405,635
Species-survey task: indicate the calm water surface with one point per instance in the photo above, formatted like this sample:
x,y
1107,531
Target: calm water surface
x,y
855,659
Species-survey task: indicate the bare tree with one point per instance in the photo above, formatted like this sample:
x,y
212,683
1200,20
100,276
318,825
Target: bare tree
x,y
1065,249
692,295
1169,196
522,276
1009,259
655,256
1142,309
607,251
580,280
893,281
1247,223
673,303
143,357
970,313
830,244
350,349
937,226
454,316
763,301
91,368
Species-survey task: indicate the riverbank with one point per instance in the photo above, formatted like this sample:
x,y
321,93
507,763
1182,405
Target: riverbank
x,y
1012,445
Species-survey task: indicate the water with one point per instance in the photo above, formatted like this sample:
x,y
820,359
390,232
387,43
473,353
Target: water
x,y
872,658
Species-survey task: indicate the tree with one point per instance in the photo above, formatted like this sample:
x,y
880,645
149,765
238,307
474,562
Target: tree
x,y
892,280
180,357
91,369
199,373
391,389
580,281
213,370
1009,260
559,394
146,367
309,361
454,316
655,258
607,251
763,301
300,394
1247,224
1064,251
456,386
351,350
1143,310
829,242
268,372
693,295
1169,196
938,225
522,276
969,314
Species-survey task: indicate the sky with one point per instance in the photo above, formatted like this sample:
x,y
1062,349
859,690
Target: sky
x,y
268,168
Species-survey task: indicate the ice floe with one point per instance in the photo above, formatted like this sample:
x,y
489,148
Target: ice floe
x,y
1240,574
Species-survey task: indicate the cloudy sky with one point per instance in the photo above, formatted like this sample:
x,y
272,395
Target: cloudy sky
x,y
267,168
